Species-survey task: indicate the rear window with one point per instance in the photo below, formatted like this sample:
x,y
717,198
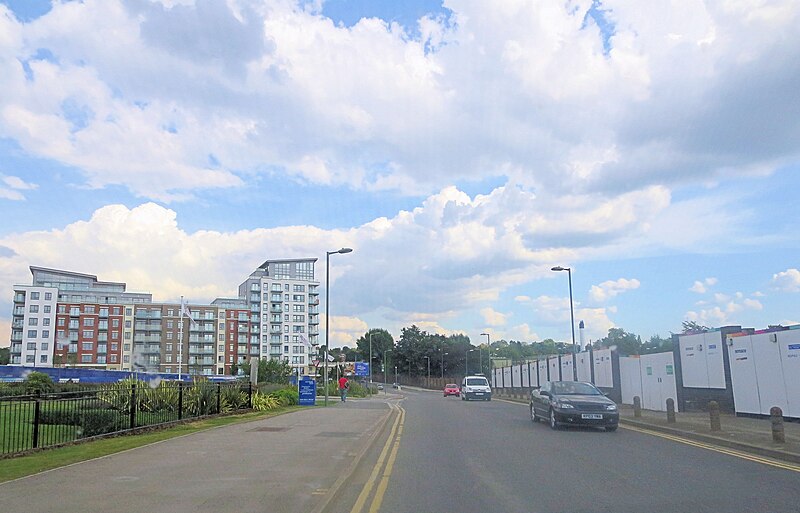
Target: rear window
x,y
477,381
451,385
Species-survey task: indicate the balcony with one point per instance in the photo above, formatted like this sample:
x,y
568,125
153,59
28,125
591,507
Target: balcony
x,y
147,338
144,314
313,331
19,311
16,336
148,326
276,309
313,300
19,298
276,299
313,319
254,329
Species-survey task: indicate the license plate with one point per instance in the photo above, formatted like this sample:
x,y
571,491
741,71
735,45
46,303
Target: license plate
x,y
478,393
592,416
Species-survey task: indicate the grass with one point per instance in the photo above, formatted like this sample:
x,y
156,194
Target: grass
x,y
22,466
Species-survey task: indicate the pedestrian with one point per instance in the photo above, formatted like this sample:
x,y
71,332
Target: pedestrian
x,y
344,385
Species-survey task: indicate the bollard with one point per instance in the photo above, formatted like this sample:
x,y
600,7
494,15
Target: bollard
x,y
637,406
776,417
670,410
713,412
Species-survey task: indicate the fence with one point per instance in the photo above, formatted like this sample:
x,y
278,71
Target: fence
x,y
36,421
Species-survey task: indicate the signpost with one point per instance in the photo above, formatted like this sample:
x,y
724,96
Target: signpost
x,y
308,391
362,369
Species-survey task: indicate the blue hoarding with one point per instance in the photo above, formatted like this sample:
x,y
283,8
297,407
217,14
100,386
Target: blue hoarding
x,y
308,391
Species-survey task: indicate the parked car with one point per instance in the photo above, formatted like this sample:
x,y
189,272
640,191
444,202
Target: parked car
x,y
564,403
475,387
451,389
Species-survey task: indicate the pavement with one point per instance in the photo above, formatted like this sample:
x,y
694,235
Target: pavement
x,y
748,434
288,463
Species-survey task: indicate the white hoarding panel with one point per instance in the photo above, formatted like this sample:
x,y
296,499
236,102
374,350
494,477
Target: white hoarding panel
x,y
658,380
552,364
631,378
542,372
507,377
516,376
744,379
534,380
584,367
715,365
525,381
603,377
769,372
566,368
789,345
693,361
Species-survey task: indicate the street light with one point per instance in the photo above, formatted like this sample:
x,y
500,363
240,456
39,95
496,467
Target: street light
x,y
571,319
384,370
370,359
466,361
488,344
327,309
429,370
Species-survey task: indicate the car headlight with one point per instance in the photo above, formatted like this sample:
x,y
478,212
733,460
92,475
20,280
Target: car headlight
x,y
611,407
565,405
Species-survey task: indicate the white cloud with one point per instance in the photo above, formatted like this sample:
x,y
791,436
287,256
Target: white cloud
x,y
493,318
701,287
522,299
13,186
787,281
723,310
211,92
345,330
608,289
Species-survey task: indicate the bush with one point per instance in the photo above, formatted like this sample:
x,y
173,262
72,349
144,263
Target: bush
x,y
263,402
287,396
99,422
64,417
38,383
234,398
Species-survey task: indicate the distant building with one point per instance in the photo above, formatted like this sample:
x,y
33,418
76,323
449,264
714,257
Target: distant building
x,y
67,318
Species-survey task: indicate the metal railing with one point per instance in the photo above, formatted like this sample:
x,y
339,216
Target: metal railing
x,y
46,420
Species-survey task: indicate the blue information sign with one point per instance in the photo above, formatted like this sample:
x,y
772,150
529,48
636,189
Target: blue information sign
x,y
362,369
308,391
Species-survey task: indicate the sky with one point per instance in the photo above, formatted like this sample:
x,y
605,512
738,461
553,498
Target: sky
x,y
461,148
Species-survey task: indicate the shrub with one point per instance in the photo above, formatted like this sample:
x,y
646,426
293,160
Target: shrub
x,y
38,383
65,417
287,396
98,422
263,402
234,398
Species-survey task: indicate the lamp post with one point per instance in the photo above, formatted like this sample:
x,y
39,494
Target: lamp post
x,y
488,345
443,355
429,370
327,309
466,361
385,370
571,319
370,359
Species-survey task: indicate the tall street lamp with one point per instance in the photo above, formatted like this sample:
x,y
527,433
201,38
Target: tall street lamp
x,y
488,345
466,361
370,358
571,320
327,309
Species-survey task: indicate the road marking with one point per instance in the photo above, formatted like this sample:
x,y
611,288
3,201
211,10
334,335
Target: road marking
x,y
719,449
362,497
378,499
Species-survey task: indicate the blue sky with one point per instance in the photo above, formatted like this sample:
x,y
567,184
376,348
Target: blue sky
x,y
461,150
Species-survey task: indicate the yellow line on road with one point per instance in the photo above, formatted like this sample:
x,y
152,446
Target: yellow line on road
x,y
387,473
362,497
715,448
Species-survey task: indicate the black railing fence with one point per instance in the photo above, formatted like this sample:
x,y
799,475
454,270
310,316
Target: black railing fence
x,y
44,420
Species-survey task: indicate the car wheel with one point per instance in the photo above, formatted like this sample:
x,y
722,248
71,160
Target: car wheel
x,y
553,422
534,417
611,428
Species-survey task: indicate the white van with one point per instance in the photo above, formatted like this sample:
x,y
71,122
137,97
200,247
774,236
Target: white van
x,y
475,387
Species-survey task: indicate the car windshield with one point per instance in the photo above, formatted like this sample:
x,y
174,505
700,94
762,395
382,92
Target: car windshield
x,y
477,381
452,385
570,388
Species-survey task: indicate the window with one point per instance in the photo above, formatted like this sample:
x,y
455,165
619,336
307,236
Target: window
x,y
126,347
104,312
127,335
48,296
128,311
88,309
45,334
33,321
222,326
88,333
126,359
285,349
299,288
286,317
113,358
286,338
88,321
298,318
298,297
114,347
74,323
170,312
168,348
299,308
170,325
169,335
286,329
30,358
286,297
286,287
127,324
60,322
46,309
86,358
74,310
115,323
34,309
34,295
298,329
31,346
32,333
46,321
62,308
102,325
115,310
87,346
168,358
115,335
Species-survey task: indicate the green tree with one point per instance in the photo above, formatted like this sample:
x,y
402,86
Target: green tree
x,y
624,342
656,344
274,371
234,369
38,383
381,342
5,355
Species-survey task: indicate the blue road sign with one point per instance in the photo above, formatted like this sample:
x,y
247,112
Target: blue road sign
x,y
362,369
308,391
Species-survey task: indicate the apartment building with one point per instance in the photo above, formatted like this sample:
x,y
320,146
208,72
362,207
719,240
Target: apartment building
x,y
68,318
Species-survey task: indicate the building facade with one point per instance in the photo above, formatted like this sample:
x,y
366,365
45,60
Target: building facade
x,y
67,318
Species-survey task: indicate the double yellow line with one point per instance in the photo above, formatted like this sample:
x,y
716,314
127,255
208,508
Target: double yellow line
x,y
716,448
387,464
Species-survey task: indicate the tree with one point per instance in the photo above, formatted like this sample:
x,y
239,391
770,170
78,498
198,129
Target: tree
x,y
234,369
692,327
656,344
381,342
5,355
38,383
624,342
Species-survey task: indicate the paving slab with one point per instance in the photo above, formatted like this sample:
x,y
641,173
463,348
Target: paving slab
x,y
286,463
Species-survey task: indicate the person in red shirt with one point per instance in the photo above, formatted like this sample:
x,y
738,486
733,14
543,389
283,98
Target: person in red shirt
x,y
343,386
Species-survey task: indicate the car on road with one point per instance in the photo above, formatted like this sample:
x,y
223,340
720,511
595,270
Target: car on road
x,y
451,389
475,387
572,403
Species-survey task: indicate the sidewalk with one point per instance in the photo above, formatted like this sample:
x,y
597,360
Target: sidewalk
x,y
288,463
753,435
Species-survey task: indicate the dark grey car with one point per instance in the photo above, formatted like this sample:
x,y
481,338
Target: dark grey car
x,y
573,403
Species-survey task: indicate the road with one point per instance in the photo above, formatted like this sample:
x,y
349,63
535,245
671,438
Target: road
x,y
478,457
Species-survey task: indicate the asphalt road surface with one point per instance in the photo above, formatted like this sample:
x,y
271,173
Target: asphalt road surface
x,y
479,457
